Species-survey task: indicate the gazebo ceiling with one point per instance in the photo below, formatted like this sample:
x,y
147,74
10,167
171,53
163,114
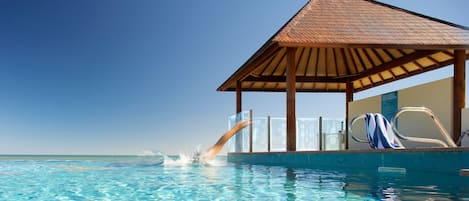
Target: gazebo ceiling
x,y
329,69
339,41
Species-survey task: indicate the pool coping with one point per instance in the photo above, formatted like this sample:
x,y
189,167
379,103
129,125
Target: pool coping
x,y
437,160
455,149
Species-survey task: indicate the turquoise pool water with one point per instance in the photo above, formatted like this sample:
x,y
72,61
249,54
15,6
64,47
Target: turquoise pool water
x,y
154,178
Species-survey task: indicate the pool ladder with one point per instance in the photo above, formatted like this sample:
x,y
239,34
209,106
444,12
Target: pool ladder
x,y
436,121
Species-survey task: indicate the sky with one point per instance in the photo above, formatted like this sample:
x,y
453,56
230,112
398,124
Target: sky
x,y
124,77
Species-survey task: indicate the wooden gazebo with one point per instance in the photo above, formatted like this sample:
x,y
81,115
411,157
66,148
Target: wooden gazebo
x,y
349,46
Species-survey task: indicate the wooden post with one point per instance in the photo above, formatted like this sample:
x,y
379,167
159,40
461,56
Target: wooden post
x,y
268,133
238,97
348,99
291,93
250,131
320,134
239,136
459,91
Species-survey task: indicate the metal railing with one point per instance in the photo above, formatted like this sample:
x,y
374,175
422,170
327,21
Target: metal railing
x,y
424,110
352,122
436,121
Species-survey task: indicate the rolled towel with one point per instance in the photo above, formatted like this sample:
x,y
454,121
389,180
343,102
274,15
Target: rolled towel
x,y
371,130
384,134
379,132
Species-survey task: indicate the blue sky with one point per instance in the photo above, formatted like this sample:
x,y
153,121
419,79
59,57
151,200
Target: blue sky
x,y
120,77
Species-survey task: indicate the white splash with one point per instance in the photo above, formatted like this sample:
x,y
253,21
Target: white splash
x,y
200,157
182,160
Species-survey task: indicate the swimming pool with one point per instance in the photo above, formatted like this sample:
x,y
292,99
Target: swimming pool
x,y
153,178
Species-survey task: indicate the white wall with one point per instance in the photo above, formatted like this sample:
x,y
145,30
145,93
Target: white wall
x,y
436,95
356,108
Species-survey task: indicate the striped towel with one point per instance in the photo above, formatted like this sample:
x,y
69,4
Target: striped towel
x,y
379,132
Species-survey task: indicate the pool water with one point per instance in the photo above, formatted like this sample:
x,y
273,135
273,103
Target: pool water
x,y
157,178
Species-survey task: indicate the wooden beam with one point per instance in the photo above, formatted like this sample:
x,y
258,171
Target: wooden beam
x,y
346,61
298,90
393,63
238,137
316,65
395,78
279,62
352,59
259,58
348,99
299,60
336,62
362,63
238,97
327,62
427,69
291,89
390,56
266,51
307,61
459,91
274,78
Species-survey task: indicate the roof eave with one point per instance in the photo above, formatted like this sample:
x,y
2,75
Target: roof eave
x,y
268,45
374,45
264,52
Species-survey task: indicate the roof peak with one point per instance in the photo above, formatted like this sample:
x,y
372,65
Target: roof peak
x,y
322,22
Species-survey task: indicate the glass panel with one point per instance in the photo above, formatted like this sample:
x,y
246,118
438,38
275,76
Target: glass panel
x,y
245,132
231,142
240,142
278,128
307,137
333,130
259,134
307,134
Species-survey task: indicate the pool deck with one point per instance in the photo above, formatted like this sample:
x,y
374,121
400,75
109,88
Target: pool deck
x,y
438,160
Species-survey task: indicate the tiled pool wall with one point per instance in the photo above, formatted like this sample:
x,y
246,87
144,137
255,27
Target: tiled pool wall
x,y
447,160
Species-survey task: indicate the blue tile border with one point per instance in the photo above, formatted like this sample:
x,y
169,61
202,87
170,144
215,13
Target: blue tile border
x,y
444,160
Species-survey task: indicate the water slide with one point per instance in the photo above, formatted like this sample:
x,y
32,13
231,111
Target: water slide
x,y
213,151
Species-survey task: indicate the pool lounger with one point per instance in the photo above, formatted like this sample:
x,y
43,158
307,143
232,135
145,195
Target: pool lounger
x,y
384,135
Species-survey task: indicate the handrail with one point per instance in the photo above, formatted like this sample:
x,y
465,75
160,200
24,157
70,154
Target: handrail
x,y
435,119
357,139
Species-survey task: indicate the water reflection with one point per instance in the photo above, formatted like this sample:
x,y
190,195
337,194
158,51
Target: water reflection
x,y
290,184
410,186
251,182
280,183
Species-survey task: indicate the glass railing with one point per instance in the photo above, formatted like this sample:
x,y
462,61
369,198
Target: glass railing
x,y
307,134
333,134
259,134
239,142
269,134
278,135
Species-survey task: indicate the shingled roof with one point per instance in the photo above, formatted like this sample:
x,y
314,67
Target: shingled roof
x,y
364,42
